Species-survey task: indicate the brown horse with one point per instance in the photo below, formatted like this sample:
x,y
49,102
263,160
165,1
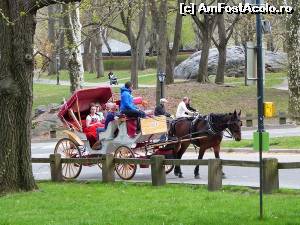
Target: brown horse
x,y
212,127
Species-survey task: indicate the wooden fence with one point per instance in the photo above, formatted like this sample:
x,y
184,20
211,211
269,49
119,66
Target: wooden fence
x,y
158,175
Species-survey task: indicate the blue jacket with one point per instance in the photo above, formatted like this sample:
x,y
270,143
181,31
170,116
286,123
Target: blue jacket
x,y
126,100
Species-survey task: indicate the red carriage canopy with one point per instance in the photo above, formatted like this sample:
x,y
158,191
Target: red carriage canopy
x,y
82,99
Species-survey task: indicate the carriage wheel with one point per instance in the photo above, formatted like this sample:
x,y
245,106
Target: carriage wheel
x,y
169,168
68,149
125,171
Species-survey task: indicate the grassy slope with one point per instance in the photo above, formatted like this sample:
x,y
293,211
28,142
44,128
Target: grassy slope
x,y
125,203
209,98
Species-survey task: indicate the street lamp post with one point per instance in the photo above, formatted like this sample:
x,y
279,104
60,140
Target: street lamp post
x,y
57,70
161,78
260,99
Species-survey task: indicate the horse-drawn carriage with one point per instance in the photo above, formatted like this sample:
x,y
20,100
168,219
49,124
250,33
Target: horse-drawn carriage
x,y
122,136
129,138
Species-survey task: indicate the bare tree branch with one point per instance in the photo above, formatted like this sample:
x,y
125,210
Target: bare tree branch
x,y
34,5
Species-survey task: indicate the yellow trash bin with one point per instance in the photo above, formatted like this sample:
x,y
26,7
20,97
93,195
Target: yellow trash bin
x,y
269,109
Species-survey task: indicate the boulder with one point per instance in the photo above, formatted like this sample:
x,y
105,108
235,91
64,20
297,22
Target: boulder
x,y
235,63
47,120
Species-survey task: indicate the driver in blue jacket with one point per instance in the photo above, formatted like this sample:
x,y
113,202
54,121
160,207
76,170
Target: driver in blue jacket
x,y
127,106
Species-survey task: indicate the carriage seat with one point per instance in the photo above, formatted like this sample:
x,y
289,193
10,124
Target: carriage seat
x,y
110,132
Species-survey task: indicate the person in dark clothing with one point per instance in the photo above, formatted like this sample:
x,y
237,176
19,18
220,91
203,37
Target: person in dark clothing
x,y
160,109
127,106
112,78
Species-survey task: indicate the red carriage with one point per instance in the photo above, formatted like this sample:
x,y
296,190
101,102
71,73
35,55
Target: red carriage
x,y
121,137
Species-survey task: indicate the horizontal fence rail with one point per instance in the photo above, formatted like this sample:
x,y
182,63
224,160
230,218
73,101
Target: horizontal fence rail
x,y
158,162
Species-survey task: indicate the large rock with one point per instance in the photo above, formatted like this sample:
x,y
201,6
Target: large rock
x,y
48,120
235,63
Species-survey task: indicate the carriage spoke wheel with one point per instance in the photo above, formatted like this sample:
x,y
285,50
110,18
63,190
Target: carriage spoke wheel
x,y
68,149
169,168
125,171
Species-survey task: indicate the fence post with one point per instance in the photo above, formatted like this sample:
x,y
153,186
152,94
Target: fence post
x,y
270,175
56,167
158,173
282,118
214,174
108,168
249,120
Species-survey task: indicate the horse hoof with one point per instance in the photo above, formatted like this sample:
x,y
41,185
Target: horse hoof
x,y
197,176
176,174
223,175
180,176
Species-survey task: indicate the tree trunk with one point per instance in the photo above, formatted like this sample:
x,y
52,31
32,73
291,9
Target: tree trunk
x,y
104,38
61,46
86,54
162,47
270,43
236,39
172,54
73,33
99,59
134,66
293,51
52,38
92,58
203,64
198,37
221,65
221,49
153,38
142,39
62,51
207,28
16,75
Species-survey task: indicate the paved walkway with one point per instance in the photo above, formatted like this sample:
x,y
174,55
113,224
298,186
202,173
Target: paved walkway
x,y
283,86
86,84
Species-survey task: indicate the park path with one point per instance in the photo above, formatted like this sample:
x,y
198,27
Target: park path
x,y
86,84
283,86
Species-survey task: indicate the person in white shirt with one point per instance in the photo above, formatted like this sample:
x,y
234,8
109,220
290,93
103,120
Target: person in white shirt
x,y
182,110
92,118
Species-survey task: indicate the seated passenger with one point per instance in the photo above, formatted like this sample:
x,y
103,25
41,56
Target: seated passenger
x,y
127,106
111,113
160,109
99,112
93,121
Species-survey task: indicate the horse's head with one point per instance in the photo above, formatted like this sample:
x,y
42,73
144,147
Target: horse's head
x,y
234,125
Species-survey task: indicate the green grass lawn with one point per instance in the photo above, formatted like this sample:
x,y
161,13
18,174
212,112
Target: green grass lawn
x,y
128,203
275,143
44,94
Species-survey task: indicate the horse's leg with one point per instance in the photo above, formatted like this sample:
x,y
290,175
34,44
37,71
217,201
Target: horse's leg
x,y
180,153
200,156
217,155
176,153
